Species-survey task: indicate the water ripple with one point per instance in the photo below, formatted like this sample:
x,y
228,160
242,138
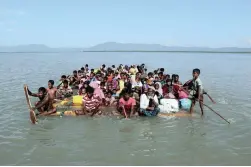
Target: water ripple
x,y
113,141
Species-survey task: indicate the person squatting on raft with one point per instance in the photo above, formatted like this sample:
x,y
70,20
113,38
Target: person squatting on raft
x,y
149,103
126,105
45,103
90,103
64,91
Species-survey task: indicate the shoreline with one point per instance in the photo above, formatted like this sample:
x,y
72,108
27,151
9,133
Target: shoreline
x,y
137,51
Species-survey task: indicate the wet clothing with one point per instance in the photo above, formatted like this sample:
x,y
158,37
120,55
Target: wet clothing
x,y
144,101
195,88
127,104
91,103
150,113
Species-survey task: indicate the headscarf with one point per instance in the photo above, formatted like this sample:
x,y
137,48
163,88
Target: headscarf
x,y
160,90
97,90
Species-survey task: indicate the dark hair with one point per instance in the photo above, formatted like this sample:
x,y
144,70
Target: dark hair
x,y
109,69
65,82
63,76
150,73
42,89
160,73
162,69
92,69
109,92
89,89
86,65
102,83
124,92
51,81
173,76
103,65
196,70
113,66
128,85
87,82
75,71
79,71
83,69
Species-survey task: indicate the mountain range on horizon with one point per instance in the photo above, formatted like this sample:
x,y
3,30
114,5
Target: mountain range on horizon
x,y
123,47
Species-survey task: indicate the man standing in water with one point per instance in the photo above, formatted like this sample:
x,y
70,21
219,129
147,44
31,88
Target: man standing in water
x,y
196,92
44,105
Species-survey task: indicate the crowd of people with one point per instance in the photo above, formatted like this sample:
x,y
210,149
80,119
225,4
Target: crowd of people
x,y
132,90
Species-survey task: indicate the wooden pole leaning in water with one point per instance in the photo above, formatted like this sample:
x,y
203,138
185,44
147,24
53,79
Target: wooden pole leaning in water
x,y
209,97
209,107
213,111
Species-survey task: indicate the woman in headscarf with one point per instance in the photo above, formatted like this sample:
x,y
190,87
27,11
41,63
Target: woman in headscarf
x,y
158,88
97,91
159,91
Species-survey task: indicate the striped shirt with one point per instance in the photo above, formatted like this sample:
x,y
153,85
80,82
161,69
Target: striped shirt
x,y
91,103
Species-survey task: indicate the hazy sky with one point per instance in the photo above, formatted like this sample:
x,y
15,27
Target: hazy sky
x,y
83,23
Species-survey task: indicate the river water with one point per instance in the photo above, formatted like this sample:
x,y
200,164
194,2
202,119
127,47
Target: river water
x,y
141,141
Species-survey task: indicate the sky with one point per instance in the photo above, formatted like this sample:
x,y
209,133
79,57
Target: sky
x,y
85,23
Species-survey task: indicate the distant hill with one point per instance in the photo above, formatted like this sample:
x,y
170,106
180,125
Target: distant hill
x,y
113,46
119,47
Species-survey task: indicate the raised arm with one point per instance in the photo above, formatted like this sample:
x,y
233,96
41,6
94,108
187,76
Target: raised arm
x,y
32,94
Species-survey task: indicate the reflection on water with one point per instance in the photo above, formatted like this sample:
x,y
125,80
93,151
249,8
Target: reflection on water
x,y
138,141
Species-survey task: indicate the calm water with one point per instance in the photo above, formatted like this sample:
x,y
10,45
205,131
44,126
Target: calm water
x,y
143,141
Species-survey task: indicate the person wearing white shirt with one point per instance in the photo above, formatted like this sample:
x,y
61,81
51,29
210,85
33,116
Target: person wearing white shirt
x,y
149,103
137,84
